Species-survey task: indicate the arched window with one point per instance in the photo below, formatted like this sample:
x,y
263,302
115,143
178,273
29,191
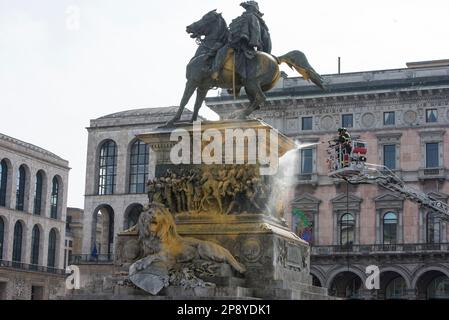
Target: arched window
x,y
20,188
2,236
138,169
108,168
438,288
102,232
3,182
38,193
35,242
346,285
396,289
433,228
17,242
353,288
54,199
390,223
133,215
51,261
347,229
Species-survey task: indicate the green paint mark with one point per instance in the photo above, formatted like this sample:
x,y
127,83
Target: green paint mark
x,y
302,217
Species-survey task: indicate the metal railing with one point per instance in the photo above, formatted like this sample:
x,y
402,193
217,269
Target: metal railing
x,y
91,259
30,267
380,248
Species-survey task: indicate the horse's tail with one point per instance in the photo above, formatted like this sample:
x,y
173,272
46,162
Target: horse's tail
x,y
298,61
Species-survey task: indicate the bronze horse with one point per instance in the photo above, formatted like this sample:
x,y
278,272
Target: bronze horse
x,y
212,31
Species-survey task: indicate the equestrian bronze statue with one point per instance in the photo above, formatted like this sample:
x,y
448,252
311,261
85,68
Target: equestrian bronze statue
x,y
237,57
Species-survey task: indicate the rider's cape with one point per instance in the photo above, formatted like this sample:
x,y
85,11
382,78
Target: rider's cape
x,y
246,32
251,27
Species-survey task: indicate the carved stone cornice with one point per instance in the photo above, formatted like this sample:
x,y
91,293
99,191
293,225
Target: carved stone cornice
x,y
389,201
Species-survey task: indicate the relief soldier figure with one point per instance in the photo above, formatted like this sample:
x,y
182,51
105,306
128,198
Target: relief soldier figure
x,y
213,189
177,190
168,194
189,190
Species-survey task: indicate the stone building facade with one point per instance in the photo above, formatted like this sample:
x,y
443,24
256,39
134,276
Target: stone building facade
x,y
403,115
33,201
118,167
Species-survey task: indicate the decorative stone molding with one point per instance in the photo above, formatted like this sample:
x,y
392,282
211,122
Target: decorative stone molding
x,y
431,136
410,117
439,196
390,138
343,203
368,120
307,202
327,123
389,201
422,219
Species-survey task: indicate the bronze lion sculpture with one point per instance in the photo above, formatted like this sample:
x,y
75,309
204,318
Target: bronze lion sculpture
x,y
163,248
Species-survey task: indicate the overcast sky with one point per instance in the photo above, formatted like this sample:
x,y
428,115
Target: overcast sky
x,y
65,62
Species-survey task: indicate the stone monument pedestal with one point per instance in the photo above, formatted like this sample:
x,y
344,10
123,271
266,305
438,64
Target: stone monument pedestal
x,y
277,261
230,204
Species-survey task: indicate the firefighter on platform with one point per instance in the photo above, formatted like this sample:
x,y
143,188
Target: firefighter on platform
x,y
344,145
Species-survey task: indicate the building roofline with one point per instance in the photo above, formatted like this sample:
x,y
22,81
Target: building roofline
x,y
32,147
357,83
139,116
428,63
130,113
410,65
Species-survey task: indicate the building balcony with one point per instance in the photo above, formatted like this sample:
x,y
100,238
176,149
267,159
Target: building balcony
x,y
431,173
307,178
367,249
30,267
80,259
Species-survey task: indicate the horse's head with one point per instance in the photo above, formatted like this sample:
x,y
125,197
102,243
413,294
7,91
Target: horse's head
x,y
205,25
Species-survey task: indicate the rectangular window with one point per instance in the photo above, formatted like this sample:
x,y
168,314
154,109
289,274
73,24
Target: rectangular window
x,y
432,156
307,123
390,231
390,156
139,161
347,120
389,118
431,115
433,228
306,161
